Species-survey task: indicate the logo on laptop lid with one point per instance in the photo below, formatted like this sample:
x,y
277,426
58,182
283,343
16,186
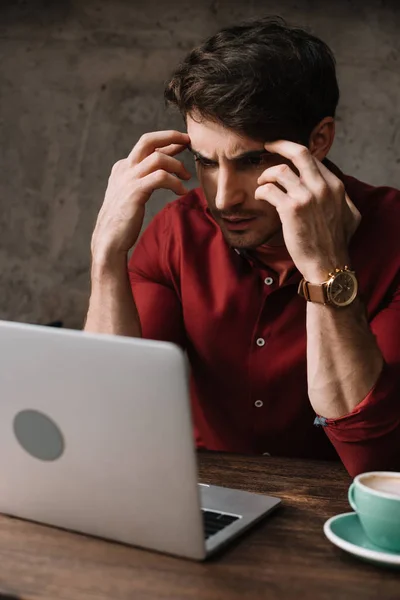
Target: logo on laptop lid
x,y
38,435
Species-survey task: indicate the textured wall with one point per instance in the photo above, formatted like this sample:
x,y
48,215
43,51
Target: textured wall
x,y
80,81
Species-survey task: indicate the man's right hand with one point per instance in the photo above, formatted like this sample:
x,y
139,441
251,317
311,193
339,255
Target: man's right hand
x,y
150,166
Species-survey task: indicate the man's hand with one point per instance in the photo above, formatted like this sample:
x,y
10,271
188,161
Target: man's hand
x,y
148,167
318,218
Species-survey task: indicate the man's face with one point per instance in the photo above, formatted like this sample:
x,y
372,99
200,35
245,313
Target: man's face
x,y
228,166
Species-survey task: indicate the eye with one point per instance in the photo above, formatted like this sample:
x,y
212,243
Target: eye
x,y
255,161
204,162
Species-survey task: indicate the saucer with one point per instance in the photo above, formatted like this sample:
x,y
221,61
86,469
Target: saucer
x,y
346,532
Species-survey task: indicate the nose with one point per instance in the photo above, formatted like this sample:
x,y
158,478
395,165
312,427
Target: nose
x,y
230,193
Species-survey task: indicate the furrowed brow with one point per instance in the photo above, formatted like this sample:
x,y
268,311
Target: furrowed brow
x,y
238,158
198,155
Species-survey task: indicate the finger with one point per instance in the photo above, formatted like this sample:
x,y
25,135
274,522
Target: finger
x,y
172,149
159,139
336,184
162,180
272,194
157,161
301,158
329,177
283,175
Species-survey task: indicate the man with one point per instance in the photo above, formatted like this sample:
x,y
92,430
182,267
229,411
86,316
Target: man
x,y
280,276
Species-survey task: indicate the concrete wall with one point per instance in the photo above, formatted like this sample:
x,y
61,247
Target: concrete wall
x,y
80,81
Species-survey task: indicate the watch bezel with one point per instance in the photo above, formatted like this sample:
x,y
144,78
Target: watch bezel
x,y
329,285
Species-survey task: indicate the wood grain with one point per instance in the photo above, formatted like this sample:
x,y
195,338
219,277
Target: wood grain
x,y
285,556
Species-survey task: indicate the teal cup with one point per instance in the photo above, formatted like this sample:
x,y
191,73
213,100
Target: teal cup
x,y
375,497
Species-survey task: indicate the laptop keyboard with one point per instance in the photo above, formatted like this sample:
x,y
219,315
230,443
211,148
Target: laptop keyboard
x,y
215,522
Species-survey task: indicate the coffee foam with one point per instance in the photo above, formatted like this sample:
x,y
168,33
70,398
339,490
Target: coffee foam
x,y
383,483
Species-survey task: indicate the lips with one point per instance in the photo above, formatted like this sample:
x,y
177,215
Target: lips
x,y
237,223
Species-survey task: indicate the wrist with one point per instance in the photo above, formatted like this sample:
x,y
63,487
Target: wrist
x,y
320,272
108,264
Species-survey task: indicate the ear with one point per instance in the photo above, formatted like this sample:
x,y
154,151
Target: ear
x,y
321,138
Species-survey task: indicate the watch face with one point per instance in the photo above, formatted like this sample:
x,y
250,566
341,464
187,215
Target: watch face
x,y
343,289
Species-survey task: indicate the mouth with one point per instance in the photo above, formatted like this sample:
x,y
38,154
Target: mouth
x,y
237,224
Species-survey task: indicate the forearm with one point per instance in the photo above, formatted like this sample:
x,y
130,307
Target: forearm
x,y
149,166
368,439
112,307
343,358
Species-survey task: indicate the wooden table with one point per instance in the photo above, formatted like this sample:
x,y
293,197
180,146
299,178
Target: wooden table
x,y
285,556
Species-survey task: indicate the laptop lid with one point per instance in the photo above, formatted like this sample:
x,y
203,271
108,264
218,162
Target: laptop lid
x,y
96,436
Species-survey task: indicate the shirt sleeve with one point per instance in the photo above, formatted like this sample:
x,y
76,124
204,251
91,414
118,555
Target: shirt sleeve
x,y
153,286
368,438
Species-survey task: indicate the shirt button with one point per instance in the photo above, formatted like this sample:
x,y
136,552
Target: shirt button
x,y
260,342
259,403
268,281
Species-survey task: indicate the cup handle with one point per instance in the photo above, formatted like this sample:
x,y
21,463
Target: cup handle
x,y
351,497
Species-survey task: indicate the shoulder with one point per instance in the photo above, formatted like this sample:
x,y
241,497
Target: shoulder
x,y
187,217
380,215
182,228
375,246
193,205
371,199
189,210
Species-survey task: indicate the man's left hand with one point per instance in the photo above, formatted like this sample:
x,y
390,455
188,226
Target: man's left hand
x,y
318,218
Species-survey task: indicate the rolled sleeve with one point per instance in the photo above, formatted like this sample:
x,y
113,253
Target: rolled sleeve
x,y
368,438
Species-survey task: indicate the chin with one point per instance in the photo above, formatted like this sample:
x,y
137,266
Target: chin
x,y
248,240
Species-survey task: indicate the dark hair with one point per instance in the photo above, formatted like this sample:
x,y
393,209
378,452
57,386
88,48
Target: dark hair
x,y
263,79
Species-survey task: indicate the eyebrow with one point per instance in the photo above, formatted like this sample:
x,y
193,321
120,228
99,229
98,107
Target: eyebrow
x,y
239,157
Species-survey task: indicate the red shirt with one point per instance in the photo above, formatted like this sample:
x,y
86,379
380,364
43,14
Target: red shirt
x,y
244,330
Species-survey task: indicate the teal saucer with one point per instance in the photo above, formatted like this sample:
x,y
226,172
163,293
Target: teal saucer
x,y
346,532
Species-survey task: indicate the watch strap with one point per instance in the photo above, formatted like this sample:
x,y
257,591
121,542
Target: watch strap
x,y
313,292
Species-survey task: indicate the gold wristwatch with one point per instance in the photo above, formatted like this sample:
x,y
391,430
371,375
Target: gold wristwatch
x,y
339,290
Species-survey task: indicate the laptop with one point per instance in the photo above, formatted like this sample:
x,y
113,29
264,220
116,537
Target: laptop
x,y
96,437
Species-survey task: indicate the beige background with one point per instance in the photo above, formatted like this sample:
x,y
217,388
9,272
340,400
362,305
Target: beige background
x,y
80,81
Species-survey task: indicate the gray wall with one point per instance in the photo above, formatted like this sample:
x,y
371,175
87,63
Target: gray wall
x,y
80,81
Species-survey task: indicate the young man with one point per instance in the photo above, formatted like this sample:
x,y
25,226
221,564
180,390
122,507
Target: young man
x,y
280,275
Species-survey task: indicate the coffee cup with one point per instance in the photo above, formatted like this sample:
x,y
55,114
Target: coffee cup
x,y
375,497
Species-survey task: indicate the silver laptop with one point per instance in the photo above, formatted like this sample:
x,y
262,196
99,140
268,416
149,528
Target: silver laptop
x,y
96,436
